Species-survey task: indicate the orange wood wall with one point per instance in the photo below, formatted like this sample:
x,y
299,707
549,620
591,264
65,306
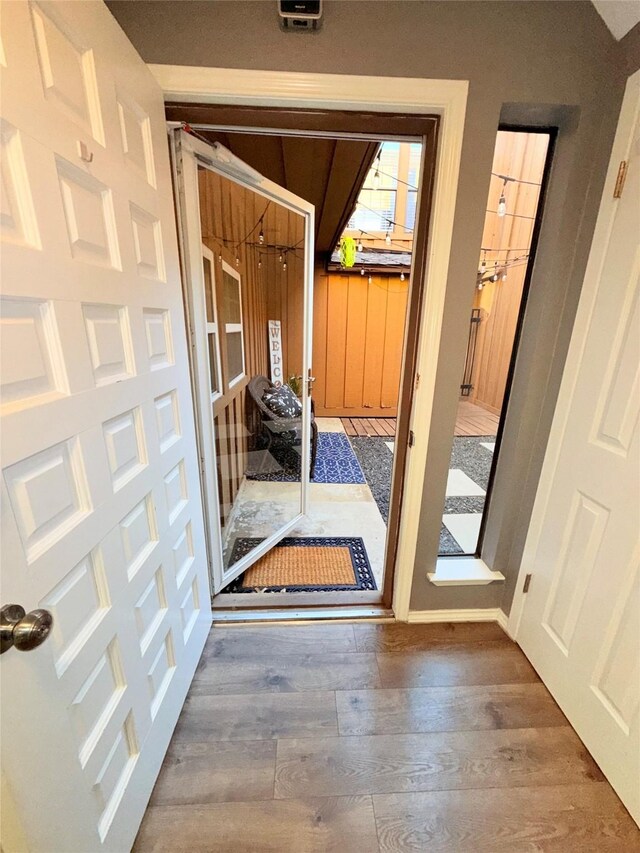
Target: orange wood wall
x,y
520,155
357,345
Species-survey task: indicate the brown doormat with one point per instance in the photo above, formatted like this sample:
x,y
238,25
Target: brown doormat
x,y
296,564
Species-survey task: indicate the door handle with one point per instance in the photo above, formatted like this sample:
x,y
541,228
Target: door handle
x,y
25,631
310,380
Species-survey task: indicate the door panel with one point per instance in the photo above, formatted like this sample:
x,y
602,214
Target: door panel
x,y
580,623
101,507
255,469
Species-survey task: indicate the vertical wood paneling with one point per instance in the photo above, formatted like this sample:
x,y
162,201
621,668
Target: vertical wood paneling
x,y
520,155
374,345
358,341
355,339
336,345
320,323
393,340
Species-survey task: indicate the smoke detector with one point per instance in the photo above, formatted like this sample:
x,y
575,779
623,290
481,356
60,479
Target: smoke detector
x,y
302,15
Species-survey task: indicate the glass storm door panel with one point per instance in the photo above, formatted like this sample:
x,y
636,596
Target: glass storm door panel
x,y
248,250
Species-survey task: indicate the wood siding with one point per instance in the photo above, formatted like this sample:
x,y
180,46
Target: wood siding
x,y
520,155
357,345
228,214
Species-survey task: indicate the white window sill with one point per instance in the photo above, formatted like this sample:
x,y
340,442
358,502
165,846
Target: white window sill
x,y
463,571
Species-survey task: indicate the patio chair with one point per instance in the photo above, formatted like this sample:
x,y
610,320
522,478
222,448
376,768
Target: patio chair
x,y
274,425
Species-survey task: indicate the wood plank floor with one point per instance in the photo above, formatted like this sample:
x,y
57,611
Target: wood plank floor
x,y
474,420
374,427
471,420
376,739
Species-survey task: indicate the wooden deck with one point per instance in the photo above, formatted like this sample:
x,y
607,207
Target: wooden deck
x,y
376,427
471,420
474,420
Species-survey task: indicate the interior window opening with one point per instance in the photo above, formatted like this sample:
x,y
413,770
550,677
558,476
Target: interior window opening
x,y
519,167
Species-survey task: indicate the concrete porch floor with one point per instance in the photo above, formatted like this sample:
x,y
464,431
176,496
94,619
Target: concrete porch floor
x,y
261,507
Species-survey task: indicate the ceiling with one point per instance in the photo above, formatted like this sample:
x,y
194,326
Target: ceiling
x,y
326,172
620,16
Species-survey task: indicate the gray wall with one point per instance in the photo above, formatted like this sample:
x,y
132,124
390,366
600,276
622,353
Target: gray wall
x,y
538,62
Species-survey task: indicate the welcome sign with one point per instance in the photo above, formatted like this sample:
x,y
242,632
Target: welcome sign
x,y
275,352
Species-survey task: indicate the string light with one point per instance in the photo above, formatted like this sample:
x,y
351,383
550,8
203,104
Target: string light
x,y
362,271
359,247
284,265
261,237
376,174
280,257
483,265
220,256
494,277
237,261
401,276
259,263
369,280
387,236
506,178
377,212
502,204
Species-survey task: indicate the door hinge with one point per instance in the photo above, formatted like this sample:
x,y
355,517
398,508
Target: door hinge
x,y
527,583
622,175
412,438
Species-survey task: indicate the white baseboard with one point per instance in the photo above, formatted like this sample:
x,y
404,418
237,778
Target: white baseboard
x,y
490,614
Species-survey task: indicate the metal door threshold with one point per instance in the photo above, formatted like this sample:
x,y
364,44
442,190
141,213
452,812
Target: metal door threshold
x,y
299,615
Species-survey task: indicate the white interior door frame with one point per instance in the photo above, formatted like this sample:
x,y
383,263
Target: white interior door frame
x,y
188,154
445,98
599,247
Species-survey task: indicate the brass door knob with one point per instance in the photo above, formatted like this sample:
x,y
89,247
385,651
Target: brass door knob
x,y
25,631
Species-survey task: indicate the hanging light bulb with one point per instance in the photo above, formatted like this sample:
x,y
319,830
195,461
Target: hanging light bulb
x,y
504,275
259,263
483,265
359,247
220,256
284,265
369,280
480,285
494,277
387,238
237,261
401,276
362,271
502,204
261,237
376,174
280,257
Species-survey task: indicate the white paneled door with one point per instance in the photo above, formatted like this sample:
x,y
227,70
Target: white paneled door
x,y
581,618
101,509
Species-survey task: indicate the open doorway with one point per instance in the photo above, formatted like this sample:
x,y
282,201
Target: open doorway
x,y
365,192
514,206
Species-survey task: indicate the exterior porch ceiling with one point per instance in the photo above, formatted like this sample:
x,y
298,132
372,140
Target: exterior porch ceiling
x,y
326,172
